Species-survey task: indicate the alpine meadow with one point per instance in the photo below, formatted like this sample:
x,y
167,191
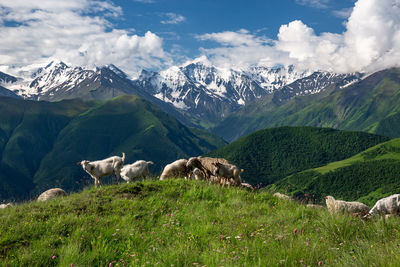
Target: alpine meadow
x,y
199,133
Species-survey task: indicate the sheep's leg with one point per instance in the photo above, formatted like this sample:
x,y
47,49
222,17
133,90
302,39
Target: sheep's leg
x,y
95,179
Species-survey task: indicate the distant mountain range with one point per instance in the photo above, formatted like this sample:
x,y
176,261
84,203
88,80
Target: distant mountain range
x,y
196,93
371,105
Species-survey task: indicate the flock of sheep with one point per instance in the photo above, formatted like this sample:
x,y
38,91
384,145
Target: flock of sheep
x,y
215,170
220,171
388,206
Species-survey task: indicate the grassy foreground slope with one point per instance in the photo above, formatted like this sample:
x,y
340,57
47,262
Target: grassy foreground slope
x,y
189,223
271,154
368,176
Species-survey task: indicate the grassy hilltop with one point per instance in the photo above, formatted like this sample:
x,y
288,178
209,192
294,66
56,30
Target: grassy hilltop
x,y
369,176
40,142
189,223
272,154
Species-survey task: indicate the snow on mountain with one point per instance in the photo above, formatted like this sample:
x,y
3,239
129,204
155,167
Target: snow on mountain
x,y
57,80
44,79
234,86
314,83
196,89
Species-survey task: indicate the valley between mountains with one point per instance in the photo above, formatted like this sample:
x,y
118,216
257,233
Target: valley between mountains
x,y
57,115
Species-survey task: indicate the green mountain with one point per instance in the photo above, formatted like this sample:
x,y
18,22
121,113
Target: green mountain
x,y
189,223
271,154
40,142
368,176
371,105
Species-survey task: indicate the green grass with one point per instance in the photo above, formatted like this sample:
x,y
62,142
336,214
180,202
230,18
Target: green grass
x,y
40,142
387,150
367,176
272,154
189,223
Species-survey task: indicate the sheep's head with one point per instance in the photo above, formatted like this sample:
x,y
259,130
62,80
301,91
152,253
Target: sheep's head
x,y
84,164
193,163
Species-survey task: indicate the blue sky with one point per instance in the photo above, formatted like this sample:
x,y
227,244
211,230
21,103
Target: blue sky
x,y
260,17
331,35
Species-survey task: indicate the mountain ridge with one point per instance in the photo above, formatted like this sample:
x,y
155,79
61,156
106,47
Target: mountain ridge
x,y
196,93
370,105
41,141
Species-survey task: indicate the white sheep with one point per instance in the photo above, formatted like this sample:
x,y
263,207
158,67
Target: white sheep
x,y
51,193
281,196
248,186
135,170
175,169
100,168
336,206
225,172
3,206
197,174
387,205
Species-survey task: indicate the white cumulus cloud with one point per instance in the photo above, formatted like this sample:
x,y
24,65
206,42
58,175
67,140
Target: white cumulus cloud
x,y
35,32
172,18
370,42
314,3
240,49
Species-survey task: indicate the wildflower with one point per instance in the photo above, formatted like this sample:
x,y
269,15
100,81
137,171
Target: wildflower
x,y
53,257
320,263
307,243
152,233
212,223
302,232
72,265
295,231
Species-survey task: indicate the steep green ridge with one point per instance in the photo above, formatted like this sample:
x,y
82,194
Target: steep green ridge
x,y
270,154
368,176
28,130
371,105
42,141
189,223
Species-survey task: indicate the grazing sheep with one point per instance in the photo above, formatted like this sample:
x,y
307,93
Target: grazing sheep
x,y
197,174
247,186
100,168
135,170
387,205
336,206
281,196
52,193
3,206
214,180
205,164
227,171
175,169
